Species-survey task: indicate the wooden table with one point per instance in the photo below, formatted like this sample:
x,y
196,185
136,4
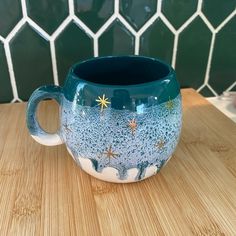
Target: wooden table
x,y
43,192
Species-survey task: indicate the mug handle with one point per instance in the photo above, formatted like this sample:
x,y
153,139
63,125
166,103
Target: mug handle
x,y
41,136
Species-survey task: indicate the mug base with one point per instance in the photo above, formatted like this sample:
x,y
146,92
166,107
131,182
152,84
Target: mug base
x,y
110,174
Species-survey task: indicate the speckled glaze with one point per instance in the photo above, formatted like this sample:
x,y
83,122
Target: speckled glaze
x,y
120,116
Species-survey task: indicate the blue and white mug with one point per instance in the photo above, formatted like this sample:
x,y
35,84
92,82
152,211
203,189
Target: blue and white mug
x,y
120,117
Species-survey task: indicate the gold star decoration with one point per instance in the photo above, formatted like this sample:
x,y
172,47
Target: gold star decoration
x,y
67,128
160,144
102,102
133,125
110,153
170,104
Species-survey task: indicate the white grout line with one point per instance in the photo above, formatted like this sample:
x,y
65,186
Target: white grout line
x,y
61,27
168,24
231,86
37,28
199,5
95,47
214,31
177,33
147,24
2,39
208,68
104,27
186,23
11,71
175,47
126,24
116,7
82,26
24,8
137,44
15,30
207,22
201,87
71,7
16,100
226,21
54,62
212,90
159,6
9,58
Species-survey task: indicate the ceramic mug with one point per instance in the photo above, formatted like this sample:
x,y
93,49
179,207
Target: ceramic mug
x,y
120,117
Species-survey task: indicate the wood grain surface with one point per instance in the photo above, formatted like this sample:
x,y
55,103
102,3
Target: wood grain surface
x,y
43,191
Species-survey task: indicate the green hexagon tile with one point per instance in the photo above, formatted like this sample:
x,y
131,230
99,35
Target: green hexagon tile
x,y
39,40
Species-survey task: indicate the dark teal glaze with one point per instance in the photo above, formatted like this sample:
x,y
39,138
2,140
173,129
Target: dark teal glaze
x,y
120,93
95,164
38,95
142,168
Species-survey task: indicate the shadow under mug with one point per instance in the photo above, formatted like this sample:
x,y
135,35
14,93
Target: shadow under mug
x,y
120,117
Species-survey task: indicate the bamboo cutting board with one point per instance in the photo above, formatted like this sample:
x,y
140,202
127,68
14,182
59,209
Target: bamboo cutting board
x,y
43,192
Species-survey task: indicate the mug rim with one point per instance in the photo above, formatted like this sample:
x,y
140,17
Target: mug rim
x,y
170,75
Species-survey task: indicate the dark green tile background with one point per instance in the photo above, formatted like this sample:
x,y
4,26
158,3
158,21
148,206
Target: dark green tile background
x,y
116,40
10,14
224,58
47,14
177,12
31,60
31,55
72,45
192,54
137,12
5,85
94,13
157,41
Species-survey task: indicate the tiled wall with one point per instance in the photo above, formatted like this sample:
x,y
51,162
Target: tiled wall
x,y
39,40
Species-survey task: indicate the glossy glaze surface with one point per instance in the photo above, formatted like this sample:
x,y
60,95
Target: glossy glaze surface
x,y
122,131
121,139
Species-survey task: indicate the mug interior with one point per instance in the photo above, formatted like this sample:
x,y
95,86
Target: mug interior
x,y
126,70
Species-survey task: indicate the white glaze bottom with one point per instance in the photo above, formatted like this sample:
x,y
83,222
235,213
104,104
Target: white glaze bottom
x,y
111,174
